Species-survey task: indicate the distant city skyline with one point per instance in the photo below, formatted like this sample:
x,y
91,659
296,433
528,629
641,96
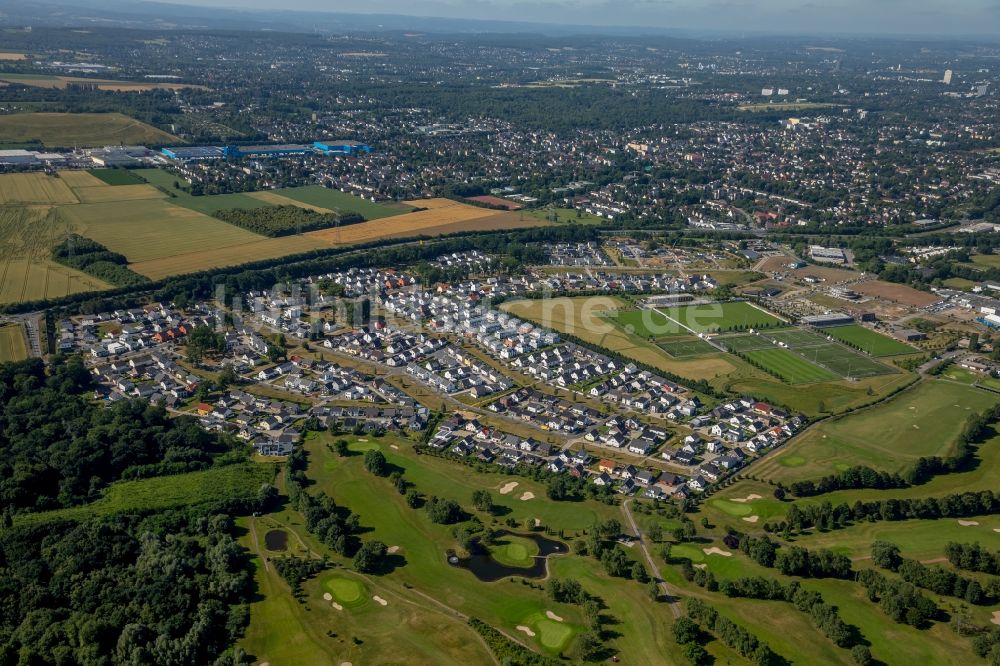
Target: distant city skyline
x,y
980,17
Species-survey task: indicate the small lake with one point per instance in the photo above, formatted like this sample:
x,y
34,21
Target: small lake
x,y
276,541
487,569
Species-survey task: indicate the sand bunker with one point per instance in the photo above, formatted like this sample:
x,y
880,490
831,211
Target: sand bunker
x,y
552,616
380,600
968,523
507,487
715,550
526,630
327,596
996,617
701,566
751,519
393,446
749,498
392,549
527,496
538,522
337,606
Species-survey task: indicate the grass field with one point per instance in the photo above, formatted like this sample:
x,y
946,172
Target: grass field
x,y
564,215
922,421
791,367
834,359
13,346
515,551
335,200
68,130
164,492
784,106
868,340
687,347
715,317
116,176
423,579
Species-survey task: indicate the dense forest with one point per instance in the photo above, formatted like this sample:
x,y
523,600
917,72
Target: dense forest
x,y
284,220
60,449
92,258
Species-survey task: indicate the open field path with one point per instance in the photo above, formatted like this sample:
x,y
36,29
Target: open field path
x,y
675,608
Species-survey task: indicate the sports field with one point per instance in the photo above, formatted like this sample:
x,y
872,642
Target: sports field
x,y
789,366
68,130
836,359
868,340
687,347
922,421
717,317
13,346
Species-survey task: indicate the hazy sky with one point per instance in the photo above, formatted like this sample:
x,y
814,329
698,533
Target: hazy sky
x,y
943,17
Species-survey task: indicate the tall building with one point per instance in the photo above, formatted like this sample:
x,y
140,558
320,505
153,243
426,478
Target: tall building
x,y
947,77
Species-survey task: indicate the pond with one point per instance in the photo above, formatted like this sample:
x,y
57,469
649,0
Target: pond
x,y
276,540
486,568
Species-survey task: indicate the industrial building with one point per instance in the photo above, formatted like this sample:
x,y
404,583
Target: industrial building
x,y
831,319
201,153
341,147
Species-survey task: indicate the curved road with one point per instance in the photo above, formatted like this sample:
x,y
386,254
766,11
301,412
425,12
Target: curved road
x,y
675,607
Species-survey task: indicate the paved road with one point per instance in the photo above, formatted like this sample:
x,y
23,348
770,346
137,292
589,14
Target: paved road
x,y
675,607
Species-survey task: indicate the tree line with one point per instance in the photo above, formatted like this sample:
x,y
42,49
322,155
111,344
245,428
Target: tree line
x,y
276,221
89,256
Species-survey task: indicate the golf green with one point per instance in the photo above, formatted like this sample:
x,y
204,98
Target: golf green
x,y
345,590
732,508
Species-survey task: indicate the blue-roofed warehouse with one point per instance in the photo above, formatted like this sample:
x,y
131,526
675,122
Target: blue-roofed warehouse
x,y
193,153
269,151
341,147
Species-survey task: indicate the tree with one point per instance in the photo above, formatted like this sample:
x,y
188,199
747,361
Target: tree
x,y
370,556
779,493
861,655
340,448
654,531
885,555
412,498
227,377
375,462
639,573
482,500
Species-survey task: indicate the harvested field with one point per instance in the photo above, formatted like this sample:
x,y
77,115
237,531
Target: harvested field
x,y
75,179
60,82
79,129
13,346
830,275
896,293
107,193
233,255
431,204
33,188
776,263
152,228
441,219
12,56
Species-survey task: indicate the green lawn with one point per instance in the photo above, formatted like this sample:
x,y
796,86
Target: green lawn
x,y
165,492
687,347
921,421
868,340
791,367
564,215
720,316
515,551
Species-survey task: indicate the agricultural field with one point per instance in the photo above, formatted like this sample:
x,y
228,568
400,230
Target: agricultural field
x,y
868,340
68,130
27,234
116,176
921,421
425,597
232,255
441,217
789,366
34,188
13,346
60,82
334,200
152,228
